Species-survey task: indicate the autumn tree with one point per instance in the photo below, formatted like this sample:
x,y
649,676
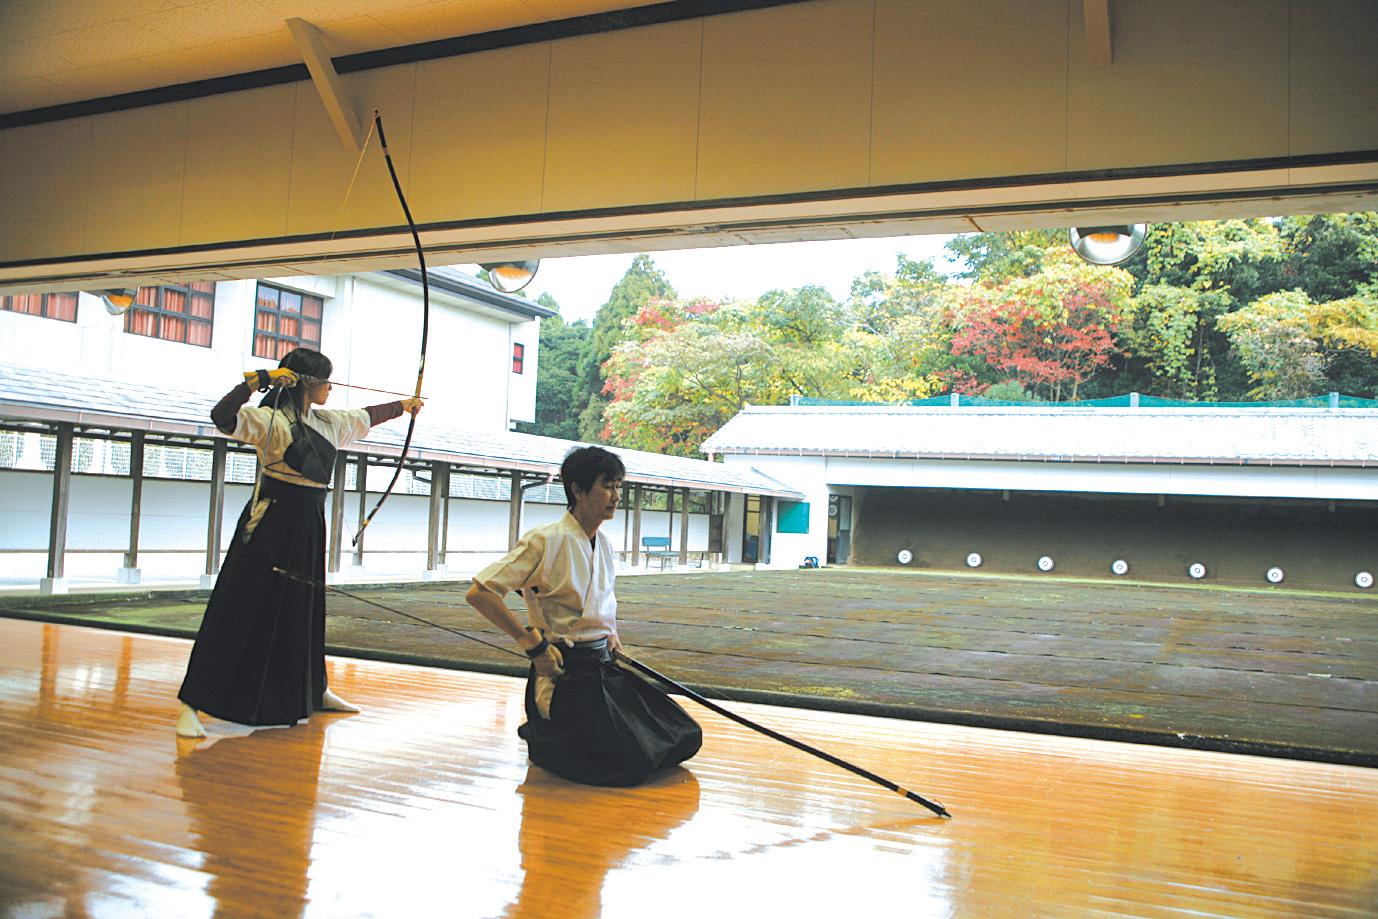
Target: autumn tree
x,y
1050,332
641,283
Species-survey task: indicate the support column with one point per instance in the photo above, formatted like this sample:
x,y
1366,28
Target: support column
x,y
337,500
55,582
684,526
361,483
514,516
445,521
440,490
636,525
216,514
130,573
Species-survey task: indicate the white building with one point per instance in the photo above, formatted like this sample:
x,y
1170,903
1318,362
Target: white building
x,y
203,336
108,389
1238,491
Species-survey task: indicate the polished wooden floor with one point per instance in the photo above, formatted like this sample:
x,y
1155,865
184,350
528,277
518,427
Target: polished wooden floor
x,y
424,806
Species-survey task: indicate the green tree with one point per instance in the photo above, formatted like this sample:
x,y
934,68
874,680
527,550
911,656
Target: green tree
x,y
559,396
1331,256
991,258
1164,340
1272,340
685,377
641,283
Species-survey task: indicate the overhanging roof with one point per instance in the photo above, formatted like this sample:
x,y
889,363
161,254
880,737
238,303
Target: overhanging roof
x,y
32,394
1210,435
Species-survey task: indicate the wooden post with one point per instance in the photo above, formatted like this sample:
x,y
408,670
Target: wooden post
x,y
337,499
445,519
55,582
514,515
684,527
216,513
636,525
129,574
361,482
439,494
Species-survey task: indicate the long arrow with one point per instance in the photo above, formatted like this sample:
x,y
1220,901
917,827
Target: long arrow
x,y
934,806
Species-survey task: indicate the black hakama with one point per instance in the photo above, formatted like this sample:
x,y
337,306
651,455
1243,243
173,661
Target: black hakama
x,y
606,726
259,656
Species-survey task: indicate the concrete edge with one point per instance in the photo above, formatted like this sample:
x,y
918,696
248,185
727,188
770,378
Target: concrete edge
x,y
1335,756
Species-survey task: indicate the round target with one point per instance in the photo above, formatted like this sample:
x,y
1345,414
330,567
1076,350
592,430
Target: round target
x,y
1119,566
1045,564
1275,575
904,556
1363,579
974,560
1197,570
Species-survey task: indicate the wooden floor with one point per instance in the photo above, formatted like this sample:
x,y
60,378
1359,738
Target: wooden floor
x,y
424,805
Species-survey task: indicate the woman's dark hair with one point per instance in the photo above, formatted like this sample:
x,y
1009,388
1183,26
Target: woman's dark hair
x,y
305,363
584,466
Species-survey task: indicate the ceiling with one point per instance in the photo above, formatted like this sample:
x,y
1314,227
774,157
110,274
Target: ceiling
x,y
54,52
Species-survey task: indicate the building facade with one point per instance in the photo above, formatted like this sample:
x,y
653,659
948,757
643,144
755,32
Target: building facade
x,y
1240,495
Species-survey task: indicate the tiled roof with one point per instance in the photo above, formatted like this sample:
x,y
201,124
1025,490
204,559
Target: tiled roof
x,y
41,395
1281,436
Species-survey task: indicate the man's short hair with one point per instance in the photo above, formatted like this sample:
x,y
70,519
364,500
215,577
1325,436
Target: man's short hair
x,y
584,466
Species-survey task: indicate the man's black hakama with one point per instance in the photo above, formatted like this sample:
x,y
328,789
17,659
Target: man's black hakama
x,y
606,726
259,657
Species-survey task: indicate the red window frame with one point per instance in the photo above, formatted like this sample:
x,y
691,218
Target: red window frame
x,y
285,319
61,306
183,313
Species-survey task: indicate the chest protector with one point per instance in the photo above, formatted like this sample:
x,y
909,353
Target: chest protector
x,y
310,454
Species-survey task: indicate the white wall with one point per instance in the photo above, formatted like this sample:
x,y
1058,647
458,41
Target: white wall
x,y
808,474
1315,482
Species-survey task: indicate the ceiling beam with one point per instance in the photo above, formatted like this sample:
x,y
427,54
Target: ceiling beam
x,y
1098,49
311,43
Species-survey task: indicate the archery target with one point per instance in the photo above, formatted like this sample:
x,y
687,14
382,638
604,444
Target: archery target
x,y
1363,579
1275,575
904,556
1045,563
1197,570
974,560
1119,566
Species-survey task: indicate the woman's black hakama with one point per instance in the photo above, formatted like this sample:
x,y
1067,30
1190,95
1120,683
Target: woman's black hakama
x,y
606,726
259,657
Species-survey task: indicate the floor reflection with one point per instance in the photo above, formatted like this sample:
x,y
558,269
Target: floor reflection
x,y
252,804
572,835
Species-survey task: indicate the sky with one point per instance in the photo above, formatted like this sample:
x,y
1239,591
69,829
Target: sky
x,y
582,284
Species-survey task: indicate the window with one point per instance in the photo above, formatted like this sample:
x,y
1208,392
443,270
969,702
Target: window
x,y
518,357
50,306
174,313
285,319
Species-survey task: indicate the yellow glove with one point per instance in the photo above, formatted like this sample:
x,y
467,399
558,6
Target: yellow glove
x,y
549,664
267,379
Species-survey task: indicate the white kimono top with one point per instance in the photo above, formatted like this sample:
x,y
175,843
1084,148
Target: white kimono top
x,y
270,432
573,581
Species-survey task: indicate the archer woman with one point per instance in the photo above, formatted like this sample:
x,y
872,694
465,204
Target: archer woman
x,y
588,720
259,656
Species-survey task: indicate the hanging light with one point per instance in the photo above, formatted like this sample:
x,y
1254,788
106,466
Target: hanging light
x,y
1108,245
119,300
510,277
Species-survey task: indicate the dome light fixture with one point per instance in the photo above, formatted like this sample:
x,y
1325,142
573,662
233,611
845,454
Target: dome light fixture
x,y
1108,245
118,300
510,277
